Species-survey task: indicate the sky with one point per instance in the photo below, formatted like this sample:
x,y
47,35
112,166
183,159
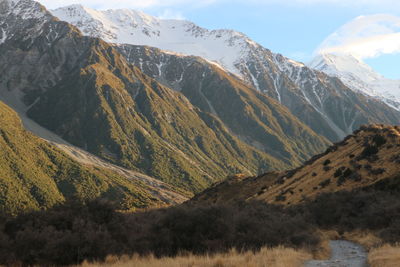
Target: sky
x,y
295,28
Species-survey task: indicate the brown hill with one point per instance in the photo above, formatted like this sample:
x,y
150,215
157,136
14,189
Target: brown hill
x,y
368,156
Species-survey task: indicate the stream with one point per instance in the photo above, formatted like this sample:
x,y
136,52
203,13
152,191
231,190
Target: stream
x,y
344,254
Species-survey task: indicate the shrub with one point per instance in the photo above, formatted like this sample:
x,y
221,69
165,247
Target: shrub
x,y
369,150
327,168
341,180
377,171
325,183
347,172
368,166
338,173
327,162
355,177
280,198
379,140
70,233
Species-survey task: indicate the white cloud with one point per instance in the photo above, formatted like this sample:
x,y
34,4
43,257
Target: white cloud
x,y
365,37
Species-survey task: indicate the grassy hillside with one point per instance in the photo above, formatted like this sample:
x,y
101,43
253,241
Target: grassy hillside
x,y
368,157
36,175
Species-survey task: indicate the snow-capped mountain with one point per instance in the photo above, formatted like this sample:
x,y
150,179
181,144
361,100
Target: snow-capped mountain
x,y
359,76
126,26
325,105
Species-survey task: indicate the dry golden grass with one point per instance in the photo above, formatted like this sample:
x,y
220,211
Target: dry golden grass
x,y
306,183
385,256
367,239
277,257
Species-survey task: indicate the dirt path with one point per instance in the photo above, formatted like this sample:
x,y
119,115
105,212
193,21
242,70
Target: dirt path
x,y
344,254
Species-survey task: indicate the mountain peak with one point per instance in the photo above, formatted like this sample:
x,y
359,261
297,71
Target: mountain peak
x,y
358,76
344,63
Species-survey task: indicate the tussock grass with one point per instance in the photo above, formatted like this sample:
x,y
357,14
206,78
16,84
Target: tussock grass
x,y
367,239
385,256
271,257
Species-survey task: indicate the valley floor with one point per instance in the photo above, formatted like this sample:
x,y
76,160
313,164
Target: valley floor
x,y
344,253
277,257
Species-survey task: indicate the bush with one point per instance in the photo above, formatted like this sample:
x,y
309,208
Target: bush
x,y
280,198
325,183
327,168
369,150
379,140
70,233
341,180
377,171
338,173
347,172
327,162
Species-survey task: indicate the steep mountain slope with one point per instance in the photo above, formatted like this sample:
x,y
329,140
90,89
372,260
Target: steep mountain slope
x,y
82,89
36,175
359,76
368,158
252,116
323,103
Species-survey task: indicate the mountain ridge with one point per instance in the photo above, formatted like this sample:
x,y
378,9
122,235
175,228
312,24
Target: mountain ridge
x,y
84,90
307,93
